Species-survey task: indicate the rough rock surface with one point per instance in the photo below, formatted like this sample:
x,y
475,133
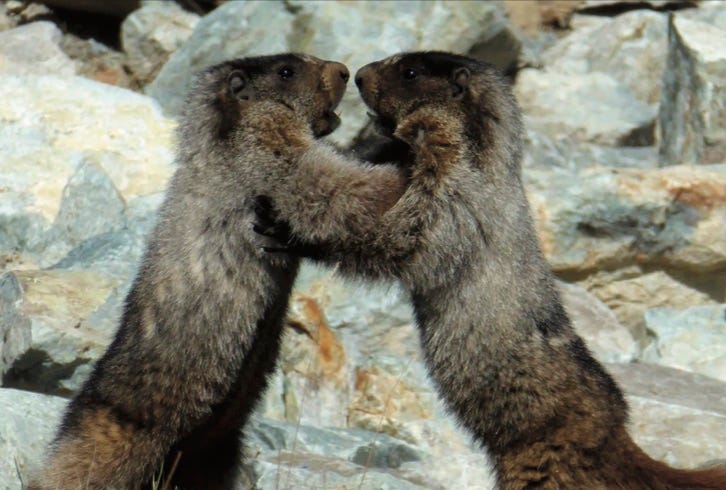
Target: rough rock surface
x,y
693,106
604,218
15,329
690,339
151,34
34,49
75,153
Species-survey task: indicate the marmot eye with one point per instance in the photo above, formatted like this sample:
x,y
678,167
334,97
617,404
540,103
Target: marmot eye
x,y
286,73
410,73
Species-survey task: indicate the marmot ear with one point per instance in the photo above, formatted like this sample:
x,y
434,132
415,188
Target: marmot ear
x,y
460,80
238,85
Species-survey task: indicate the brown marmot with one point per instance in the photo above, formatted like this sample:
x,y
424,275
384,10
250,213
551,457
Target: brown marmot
x,y
496,338
202,323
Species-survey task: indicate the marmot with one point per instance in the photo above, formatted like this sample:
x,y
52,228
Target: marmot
x,y
495,336
202,323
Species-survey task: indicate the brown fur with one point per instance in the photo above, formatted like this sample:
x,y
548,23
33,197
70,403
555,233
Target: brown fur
x,y
496,339
202,322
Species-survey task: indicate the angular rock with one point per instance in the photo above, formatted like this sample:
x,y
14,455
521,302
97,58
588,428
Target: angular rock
x,y
54,127
350,32
693,339
608,340
676,416
15,331
631,295
604,218
608,113
27,426
631,48
151,34
65,341
33,49
693,106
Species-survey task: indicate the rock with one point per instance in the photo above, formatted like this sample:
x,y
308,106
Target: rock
x,y
710,12
543,151
690,339
33,49
65,343
97,61
608,113
27,426
113,143
693,105
608,340
350,32
314,365
15,332
605,218
151,34
677,417
630,295
631,48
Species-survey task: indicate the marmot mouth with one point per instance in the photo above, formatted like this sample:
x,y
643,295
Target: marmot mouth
x,y
383,125
327,123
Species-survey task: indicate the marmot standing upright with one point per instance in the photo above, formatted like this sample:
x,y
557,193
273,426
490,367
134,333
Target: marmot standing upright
x,y
496,338
202,323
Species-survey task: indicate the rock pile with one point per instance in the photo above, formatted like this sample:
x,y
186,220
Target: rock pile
x,y
625,170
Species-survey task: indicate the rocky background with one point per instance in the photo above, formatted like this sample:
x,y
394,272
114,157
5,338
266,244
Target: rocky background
x,y
625,104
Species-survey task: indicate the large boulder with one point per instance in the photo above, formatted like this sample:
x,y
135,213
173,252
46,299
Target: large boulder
x,y
605,218
75,154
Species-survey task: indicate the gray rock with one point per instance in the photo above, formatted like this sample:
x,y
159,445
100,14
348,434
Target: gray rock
x,y
65,341
27,426
693,339
676,416
567,154
711,11
354,33
631,48
151,34
608,340
605,218
630,293
33,49
607,112
693,105
53,127
15,332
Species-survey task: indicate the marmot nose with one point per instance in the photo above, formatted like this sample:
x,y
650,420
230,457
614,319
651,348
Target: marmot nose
x,y
344,74
361,76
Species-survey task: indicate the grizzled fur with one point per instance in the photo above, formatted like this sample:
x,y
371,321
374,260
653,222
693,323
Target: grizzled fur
x,y
202,322
496,339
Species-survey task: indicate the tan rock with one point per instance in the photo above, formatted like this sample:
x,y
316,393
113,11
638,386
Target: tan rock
x,y
630,297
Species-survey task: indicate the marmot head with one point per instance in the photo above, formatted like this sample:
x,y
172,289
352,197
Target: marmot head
x,y
455,86
309,86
